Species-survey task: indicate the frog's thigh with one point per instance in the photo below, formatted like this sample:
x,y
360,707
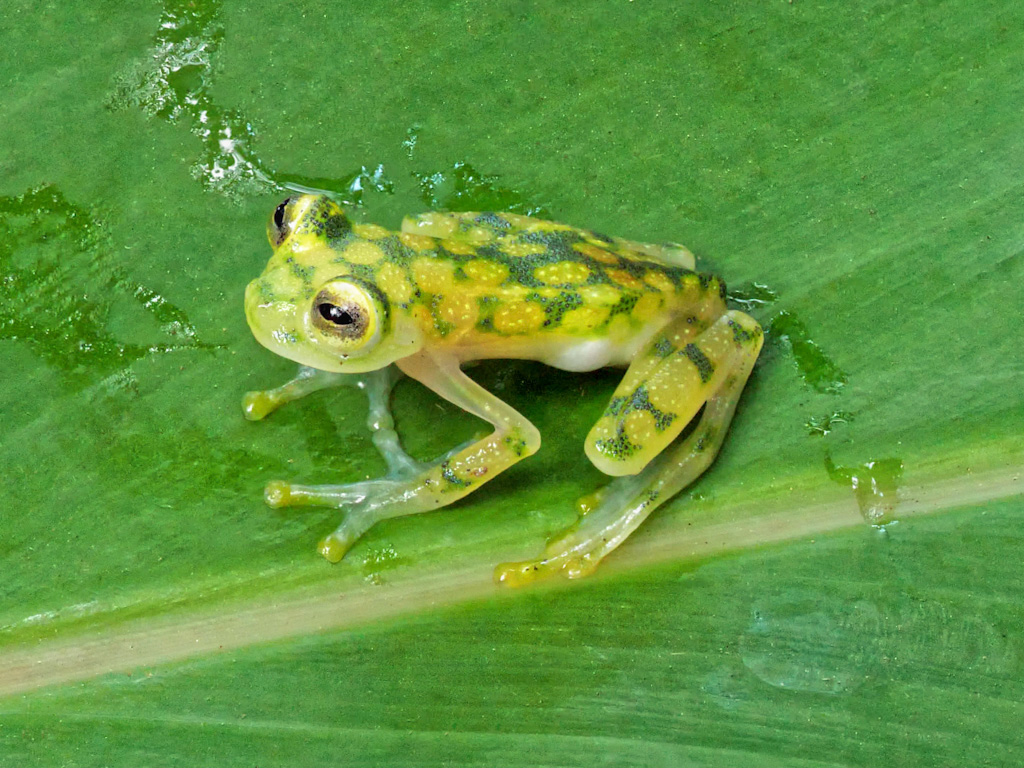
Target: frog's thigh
x,y
663,389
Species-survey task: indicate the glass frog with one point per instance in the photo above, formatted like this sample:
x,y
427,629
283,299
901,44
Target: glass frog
x,y
352,302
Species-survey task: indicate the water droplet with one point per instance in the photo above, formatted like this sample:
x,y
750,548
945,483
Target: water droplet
x,y
875,485
752,296
823,425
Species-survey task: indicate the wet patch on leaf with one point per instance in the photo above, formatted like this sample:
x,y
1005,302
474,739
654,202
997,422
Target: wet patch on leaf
x,y
61,295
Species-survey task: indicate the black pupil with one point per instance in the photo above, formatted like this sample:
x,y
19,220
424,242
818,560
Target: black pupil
x,y
335,314
279,213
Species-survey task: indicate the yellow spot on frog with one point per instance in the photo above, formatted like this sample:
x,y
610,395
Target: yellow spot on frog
x,y
362,252
433,275
518,317
584,319
523,222
623,278
597,254
488,273
477,236
459,247
562,273
601,295
435,224
537,225
513,248
459,310
690,289
639,426
393,282
418,243
648,306
659,281
370,231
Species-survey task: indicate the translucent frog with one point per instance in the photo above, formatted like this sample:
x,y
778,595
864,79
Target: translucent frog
x,y
352,302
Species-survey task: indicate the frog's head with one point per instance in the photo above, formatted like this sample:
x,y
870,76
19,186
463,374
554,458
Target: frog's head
x,y
308,305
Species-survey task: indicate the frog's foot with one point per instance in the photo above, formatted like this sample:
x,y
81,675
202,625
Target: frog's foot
x,y
365,503
607,517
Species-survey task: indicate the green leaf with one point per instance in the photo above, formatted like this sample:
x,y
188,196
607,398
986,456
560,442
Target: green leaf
x,y
841,587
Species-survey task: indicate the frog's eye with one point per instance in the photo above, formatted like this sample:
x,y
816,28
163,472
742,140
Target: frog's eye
x,y
280,224
348,315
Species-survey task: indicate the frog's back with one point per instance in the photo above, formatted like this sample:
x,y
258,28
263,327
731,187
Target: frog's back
x,y
502,277
505,285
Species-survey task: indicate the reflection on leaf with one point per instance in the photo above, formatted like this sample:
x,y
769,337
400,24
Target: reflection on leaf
x,y
816,368
173,82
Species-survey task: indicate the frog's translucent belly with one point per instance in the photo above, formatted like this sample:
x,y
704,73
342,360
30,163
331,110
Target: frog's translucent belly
x,y
567,353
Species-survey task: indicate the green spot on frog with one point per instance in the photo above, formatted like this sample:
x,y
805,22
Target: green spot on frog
x,y
705,368
663,348
618,447
303,273
556,307
454,481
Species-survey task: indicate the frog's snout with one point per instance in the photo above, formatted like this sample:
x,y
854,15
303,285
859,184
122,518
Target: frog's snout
x,y
258,310
252,291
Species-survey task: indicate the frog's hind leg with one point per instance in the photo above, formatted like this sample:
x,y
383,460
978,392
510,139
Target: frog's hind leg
x,y
721,359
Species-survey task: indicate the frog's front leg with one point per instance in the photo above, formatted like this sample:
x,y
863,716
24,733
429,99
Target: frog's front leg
x,y
662,391
429,486
377,386
260,403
